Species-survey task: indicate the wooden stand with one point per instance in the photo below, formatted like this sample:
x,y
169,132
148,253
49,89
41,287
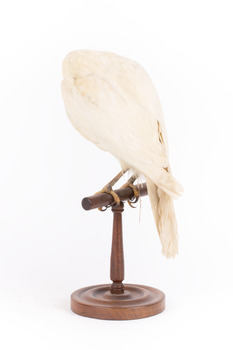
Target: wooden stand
x,y
116,301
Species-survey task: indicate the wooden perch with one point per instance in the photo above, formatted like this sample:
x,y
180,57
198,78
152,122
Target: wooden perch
x,y
105,199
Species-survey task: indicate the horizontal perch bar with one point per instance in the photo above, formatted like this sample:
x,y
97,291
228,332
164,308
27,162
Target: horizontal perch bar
x,y
104,199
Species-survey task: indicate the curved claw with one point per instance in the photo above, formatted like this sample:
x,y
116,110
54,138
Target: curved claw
x,y
136,196
109,190
130,204
134,200
104,208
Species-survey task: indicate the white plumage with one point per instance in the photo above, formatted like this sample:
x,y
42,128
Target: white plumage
x,y
112,102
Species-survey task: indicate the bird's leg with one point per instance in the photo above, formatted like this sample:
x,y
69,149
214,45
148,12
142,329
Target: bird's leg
x,y
108,188
136,193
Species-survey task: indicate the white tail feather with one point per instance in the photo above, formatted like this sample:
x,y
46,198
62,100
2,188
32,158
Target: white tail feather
x,y
169,185
165,219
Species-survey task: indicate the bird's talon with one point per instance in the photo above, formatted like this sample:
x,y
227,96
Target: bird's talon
x,y
130,204
104,208
134,199
107,189
136,193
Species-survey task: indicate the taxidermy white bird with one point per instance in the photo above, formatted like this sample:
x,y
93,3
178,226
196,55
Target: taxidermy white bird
x,y
112,102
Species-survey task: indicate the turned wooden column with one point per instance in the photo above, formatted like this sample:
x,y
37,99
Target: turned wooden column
x,y
117,254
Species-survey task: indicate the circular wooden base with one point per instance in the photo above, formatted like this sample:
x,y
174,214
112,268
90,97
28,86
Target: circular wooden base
x,y
137,301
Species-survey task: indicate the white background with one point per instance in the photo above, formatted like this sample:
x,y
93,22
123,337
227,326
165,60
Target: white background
x,y
49,246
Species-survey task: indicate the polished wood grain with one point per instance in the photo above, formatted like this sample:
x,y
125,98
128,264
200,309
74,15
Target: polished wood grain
x,y
137,301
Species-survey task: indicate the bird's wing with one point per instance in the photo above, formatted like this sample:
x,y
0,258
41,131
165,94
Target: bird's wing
x,y
115,105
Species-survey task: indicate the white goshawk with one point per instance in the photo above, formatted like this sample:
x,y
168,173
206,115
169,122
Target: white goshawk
x,y
112,102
